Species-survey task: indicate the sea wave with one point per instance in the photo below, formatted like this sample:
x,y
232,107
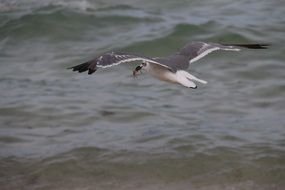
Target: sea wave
x,y
64,130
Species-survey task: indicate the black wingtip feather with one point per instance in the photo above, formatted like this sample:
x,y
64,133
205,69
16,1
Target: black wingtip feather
x,y
250,46
90,71
90,66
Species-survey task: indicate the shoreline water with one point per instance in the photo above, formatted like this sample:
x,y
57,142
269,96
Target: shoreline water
x,y
64,130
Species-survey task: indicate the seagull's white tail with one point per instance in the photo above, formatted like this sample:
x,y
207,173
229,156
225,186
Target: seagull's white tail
x,y
191,77
182,79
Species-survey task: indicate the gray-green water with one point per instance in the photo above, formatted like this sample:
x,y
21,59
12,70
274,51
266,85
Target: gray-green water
x,y
63,130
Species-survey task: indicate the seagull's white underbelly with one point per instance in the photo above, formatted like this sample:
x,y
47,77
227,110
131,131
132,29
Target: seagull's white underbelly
x,y
182,77
161,73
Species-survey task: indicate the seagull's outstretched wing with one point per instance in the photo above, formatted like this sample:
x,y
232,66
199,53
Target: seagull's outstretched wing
x,y
196,50
111,59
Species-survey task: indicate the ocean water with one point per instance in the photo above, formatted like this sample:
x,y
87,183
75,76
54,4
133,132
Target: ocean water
x,y
63,130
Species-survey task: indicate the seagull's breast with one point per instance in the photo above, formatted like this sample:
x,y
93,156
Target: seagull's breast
x,y
161,73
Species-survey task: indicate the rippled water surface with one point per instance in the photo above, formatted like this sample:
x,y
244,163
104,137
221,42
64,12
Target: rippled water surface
x,y
64,130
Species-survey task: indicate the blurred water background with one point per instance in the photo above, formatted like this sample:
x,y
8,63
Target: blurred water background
x,y
63,130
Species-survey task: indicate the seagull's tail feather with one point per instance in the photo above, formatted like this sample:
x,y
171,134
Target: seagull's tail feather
x,y
250,46
186,79
192,77
90,66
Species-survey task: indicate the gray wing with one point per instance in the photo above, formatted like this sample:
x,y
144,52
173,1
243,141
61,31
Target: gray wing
x,y
112,59
175,62
196,50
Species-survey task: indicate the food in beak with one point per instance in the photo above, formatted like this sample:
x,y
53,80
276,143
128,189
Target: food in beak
x,y
137,69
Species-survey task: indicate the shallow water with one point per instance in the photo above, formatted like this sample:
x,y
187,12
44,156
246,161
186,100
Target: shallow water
x,y
63,130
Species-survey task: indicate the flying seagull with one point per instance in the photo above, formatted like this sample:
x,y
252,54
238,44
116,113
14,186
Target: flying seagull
x,y
171,68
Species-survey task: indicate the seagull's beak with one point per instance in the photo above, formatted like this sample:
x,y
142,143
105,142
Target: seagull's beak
x,y
136,71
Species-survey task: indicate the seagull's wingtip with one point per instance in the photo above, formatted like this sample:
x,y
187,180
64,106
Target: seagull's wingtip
x,y
91,71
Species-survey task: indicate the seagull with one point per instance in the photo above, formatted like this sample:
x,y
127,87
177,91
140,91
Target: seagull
x,y
171,68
